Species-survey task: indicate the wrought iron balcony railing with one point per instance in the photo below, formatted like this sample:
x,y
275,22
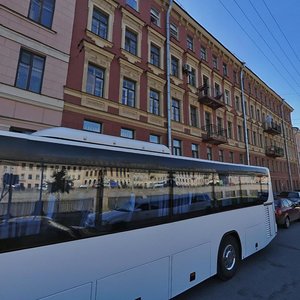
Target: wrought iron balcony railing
x,y
214,134
272,127
274,151
210,97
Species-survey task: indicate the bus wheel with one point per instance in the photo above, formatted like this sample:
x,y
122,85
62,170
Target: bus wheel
x,y
228,258
287,223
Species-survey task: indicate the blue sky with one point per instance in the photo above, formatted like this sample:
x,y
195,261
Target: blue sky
x,y
263,33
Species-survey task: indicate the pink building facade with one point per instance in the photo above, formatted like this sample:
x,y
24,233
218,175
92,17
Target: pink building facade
x,y
35,39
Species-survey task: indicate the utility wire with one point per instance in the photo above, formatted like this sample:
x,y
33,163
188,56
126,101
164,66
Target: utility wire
x,y
254,42
281,31
267,44
275,39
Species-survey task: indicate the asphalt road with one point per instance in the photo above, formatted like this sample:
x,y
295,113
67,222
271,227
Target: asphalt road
x,y
273,274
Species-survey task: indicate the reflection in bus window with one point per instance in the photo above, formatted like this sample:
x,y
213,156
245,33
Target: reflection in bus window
x,y
239,190
143,197
194,193
42,203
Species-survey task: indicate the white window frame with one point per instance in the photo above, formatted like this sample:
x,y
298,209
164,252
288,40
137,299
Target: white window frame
x,y
92,126
173,30
154,136
203,53
227,97
155,16
135,6
127,133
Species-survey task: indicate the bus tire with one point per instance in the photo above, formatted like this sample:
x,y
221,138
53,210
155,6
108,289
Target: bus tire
x,y
287,223
228,257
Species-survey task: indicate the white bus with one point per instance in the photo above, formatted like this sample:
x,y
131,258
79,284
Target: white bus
x,y
65,234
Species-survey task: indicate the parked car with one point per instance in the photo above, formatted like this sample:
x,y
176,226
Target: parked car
x,y
293,196
286,212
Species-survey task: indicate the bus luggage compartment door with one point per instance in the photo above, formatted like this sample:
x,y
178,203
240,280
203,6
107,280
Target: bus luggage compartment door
x,y
145,282
190,267
82,292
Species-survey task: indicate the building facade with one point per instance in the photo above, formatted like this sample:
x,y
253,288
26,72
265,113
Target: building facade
x,y
35,39
117,85
102,66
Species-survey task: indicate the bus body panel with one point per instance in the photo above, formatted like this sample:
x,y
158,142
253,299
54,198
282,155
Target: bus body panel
x,y
165,258
41,271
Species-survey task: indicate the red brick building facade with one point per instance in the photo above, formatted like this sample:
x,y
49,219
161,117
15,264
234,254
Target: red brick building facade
x,y
117,84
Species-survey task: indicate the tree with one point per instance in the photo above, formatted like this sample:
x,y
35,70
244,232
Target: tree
x,y
60,184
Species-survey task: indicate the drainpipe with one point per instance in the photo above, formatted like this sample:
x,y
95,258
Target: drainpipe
x,y
168,76
286,147
298,157
244,115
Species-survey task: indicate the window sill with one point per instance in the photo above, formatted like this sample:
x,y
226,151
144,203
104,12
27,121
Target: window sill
x,y
156,70
99,41
131,57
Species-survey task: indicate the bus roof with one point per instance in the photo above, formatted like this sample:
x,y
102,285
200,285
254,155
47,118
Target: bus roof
x,y
100,139
87,148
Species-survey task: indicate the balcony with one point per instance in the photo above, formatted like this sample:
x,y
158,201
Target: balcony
x,y
210,97
272,128
274,151
214,135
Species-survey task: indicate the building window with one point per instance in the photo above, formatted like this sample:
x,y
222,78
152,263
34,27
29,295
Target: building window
x,y
127,133
30,71
95,81
203,53
209,153
219,125
258,115
252,111
192,77
41,11
221,155
133,4
190,42
231,157
240,134
194,119
131,41
92,126
155,16
254,138
205,85
128,92
177,147
237,103
227,97
173,30
249,137
100,23
154,102
174,66
260,140
246,106
153,138
225,71
195,151
217,90
229,129
175,110
155,55
241,158
215,62
235,77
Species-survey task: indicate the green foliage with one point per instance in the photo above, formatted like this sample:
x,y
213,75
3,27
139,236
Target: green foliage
x,y
60,183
